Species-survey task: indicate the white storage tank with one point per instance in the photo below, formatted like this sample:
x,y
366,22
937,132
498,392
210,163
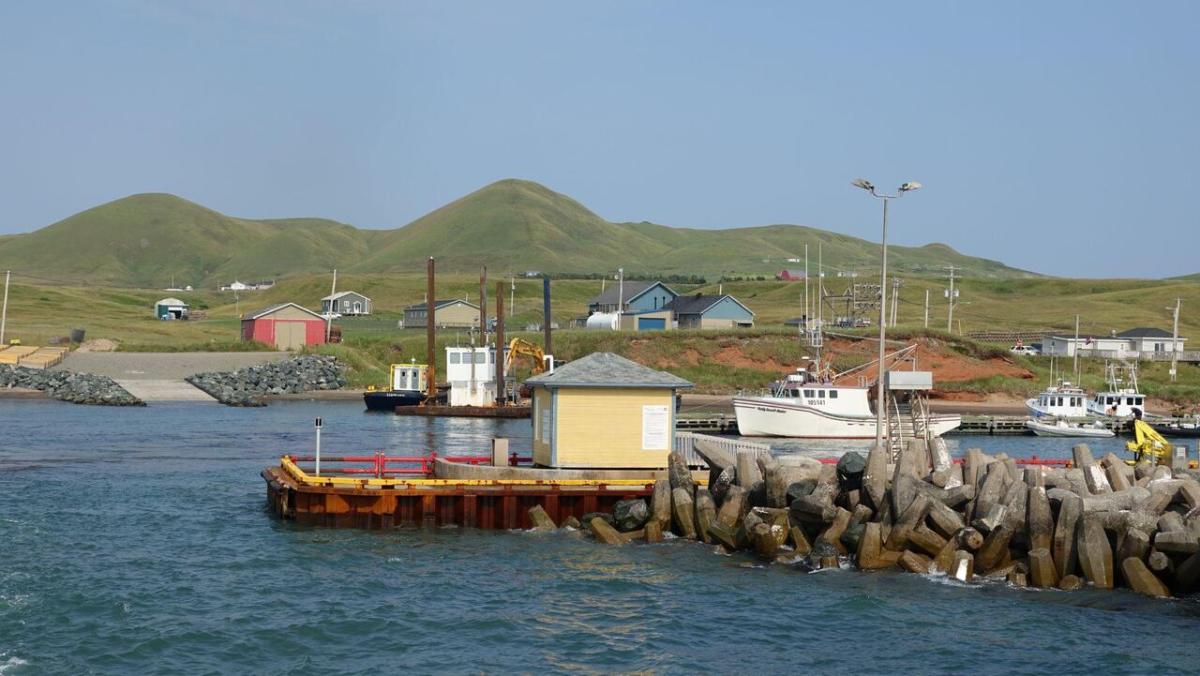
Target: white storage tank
x,y
608,321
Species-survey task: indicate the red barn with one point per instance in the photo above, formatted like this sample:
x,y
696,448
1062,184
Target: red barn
x,y
790,275
286,326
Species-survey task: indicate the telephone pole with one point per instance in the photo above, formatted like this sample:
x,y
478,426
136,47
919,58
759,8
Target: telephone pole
x,y
1174,340
926,308
952,295
332,305
4,312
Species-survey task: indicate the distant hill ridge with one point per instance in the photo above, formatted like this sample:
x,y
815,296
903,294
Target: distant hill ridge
x,y
511,225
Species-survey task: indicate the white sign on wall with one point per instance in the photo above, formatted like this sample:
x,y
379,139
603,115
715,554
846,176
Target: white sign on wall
x,y
656,428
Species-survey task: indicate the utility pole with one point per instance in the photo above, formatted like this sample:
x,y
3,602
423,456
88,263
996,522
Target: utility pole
x,y
1174,340
512,295
620,295
926,308
951,295
805,287
4,312
1076,351
332,305
895,298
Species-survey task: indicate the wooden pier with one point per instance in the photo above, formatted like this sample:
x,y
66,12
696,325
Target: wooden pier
x,y
720,424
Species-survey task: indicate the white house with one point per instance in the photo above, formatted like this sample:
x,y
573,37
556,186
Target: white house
x,y
1138,343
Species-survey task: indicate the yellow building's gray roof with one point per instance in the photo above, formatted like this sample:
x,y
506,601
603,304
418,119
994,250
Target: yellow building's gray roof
x,y
605,369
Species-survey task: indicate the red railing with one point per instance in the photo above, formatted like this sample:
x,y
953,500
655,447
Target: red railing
x,y
380,465
1031,460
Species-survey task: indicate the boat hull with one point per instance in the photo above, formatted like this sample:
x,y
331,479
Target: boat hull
x,y
1047,430
387,400
765,417
1171,431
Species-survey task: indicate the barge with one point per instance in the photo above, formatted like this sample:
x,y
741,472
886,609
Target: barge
x,y
385,500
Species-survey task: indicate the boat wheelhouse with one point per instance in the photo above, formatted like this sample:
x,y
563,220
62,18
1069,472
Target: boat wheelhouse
x,y
406,387
1121,399
1061,401
806,406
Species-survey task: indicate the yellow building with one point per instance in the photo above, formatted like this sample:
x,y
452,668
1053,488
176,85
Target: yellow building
x,y
604,411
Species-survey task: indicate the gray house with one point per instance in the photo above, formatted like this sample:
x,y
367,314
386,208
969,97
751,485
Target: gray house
x,y
454,313
346,303
710,312
632,297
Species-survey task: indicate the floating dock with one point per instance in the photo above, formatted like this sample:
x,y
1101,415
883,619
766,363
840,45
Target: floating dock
x,y
387,501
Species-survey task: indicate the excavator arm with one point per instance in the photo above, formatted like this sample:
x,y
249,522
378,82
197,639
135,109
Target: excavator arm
x,y
518,347
1148,444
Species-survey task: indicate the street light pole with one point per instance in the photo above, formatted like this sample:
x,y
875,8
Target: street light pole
x,y
880,406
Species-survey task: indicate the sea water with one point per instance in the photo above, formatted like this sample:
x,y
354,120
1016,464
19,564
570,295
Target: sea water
x,y
137,541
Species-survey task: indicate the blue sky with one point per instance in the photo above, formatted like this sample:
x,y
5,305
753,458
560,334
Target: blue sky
x,y
1059,137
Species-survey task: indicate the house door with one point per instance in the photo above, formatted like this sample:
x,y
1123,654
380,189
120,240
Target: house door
x,y
289,335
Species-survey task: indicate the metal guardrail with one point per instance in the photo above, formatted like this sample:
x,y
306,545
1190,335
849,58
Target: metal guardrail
x,y
685,445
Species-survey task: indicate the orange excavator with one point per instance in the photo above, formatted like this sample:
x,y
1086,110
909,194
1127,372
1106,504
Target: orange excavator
x,y
519,347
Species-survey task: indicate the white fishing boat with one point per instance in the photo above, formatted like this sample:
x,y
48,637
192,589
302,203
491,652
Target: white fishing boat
x,y
1062,428
1121,399
806,405
1060,401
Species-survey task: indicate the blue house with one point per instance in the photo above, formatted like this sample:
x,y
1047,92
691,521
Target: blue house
x,y
710,312
632,297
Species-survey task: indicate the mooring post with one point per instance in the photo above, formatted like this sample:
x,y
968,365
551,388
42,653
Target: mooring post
x,y
501,400
317,424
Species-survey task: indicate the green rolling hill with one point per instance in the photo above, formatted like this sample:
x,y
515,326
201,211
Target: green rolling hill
x,y
512,225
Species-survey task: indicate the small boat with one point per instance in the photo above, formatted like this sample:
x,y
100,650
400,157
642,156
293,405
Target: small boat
x,y
1062,428
1189,428
406,388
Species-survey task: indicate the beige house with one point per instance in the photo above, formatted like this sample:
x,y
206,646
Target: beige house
x,y
447,314
604,411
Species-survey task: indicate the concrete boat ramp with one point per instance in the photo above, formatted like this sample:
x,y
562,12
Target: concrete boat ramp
x,y
156,377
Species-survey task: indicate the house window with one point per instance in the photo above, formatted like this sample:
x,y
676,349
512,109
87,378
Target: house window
x,y
455,358
480,358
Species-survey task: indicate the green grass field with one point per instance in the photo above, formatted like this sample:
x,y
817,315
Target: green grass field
x,y
39,312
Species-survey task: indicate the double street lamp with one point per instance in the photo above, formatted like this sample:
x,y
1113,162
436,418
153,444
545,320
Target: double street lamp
x,y
880,408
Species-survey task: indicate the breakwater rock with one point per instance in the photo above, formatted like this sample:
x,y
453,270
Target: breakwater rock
x,y
1102,524
248,386
77,388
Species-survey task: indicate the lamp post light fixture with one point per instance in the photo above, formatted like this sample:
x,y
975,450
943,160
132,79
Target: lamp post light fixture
x,y
880,408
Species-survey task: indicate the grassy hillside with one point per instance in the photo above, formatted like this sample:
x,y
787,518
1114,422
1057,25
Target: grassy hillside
x,y
148,240
38,312
512,226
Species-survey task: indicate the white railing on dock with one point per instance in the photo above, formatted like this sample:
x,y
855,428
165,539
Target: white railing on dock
x,y
685,445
